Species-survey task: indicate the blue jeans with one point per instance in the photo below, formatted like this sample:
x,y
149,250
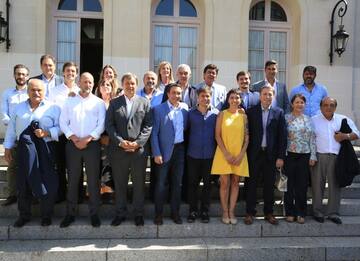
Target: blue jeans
x,y
175,168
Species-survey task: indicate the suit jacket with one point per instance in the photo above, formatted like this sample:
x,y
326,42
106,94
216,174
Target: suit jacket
x,y
253,99
163,134
135,127
192,96
282,98
276,135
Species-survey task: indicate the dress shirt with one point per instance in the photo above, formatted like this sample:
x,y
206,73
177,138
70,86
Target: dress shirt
x,y
60,93
10,98
300,135
83,116
177,119
155,99
313,97
325,130
218,96
129,104
47,114
201,128
162,87
49,84
265,115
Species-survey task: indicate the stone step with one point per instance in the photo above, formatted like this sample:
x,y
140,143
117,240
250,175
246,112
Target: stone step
x,y
348,207
81,229
199,249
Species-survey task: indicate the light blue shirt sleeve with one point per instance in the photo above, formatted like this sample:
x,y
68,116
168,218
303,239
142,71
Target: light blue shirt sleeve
x,y
5,108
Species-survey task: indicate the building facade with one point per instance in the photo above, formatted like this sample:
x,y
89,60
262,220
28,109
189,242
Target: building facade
x,y
135,35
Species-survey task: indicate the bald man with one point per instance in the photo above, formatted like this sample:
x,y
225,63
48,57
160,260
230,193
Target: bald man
x,y
33,128
82,121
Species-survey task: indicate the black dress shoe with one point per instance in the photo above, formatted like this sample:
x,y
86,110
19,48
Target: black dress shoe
x,y
158,220
139,221
20,222
204,217
45,222
336,220
9,201
117,221
95,221
67,221
176,218
192,217
319,219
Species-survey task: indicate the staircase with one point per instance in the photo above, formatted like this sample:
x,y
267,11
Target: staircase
x,y
196,241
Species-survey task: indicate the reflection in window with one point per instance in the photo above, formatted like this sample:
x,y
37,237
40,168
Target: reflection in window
x,y
92,6
277,13
187,9
66,43
165,7
163,45
70,5
257,12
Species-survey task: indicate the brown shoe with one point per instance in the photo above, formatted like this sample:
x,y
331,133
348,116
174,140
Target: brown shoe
x,y
248,219
300,220
290,219
271,219
158,220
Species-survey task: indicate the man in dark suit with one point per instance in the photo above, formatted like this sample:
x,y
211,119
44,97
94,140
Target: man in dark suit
x,y
266,151
167,145
48,76
128,123
281,99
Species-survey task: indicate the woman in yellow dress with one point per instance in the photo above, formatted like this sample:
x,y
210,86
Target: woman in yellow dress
x,y
230,160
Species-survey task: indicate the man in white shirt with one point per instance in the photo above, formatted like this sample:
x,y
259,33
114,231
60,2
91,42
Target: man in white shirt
x,y
58,95
10,98
328,137
82,121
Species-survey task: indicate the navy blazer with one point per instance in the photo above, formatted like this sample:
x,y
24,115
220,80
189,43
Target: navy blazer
x,y
282,98
276,135
253,99
163,132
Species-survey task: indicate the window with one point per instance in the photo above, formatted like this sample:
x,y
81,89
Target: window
x,y
79,26
268,38
175,26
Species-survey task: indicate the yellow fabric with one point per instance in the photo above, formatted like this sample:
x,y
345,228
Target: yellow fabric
x,y
233,134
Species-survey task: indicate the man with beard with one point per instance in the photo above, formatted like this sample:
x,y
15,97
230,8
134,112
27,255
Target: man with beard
x,y
150,91
82,121
313,92
12,97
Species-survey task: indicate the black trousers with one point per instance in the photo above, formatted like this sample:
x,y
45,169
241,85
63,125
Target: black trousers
x,y
297,170
260,167
198,169
60,159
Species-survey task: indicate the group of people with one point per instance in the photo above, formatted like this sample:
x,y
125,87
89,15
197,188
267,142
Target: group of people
x,y
55,128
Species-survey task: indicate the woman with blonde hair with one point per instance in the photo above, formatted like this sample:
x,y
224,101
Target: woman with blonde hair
x,y
165,75
109,73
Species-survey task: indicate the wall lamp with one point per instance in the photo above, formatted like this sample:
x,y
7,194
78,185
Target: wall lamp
x,y
4,27
339,40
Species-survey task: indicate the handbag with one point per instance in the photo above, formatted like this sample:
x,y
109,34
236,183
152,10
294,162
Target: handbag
x,y
281,181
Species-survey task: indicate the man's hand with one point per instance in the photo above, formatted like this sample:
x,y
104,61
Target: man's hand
x,y
339,136
158,160
83,142
8,156
40,133
279,163
312,163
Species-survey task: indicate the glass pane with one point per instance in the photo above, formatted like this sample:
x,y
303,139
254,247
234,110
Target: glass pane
x,y
281,76
256,59
256,55
280,57
257,12
67,5
165,7
92,6
66,43
163,44
188,48
256,40
187,9
278,41
256,75
277,13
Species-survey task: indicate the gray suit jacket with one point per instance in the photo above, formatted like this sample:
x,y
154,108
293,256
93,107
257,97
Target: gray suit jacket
x,y
135,127
282,98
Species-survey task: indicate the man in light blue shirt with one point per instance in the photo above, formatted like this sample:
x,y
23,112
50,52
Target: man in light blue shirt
x,y
150,91
43,117
218,91
10,99
312,91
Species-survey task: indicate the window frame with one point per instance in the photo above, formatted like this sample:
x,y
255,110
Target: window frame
x,y
176,22
268,26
